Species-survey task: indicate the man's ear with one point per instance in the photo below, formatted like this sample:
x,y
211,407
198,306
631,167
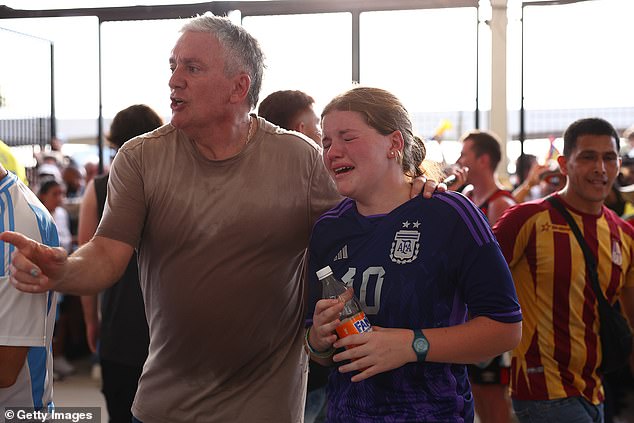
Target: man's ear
x,y
563,164
299,126
240,88
485,160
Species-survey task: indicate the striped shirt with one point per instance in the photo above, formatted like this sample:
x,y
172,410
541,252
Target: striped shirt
x,y
426,264
497,194
559,353
26,320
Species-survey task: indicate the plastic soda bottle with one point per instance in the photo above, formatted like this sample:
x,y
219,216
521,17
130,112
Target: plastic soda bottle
x,y
353,319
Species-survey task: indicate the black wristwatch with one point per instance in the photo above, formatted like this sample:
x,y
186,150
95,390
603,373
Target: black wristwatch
x,y
420,345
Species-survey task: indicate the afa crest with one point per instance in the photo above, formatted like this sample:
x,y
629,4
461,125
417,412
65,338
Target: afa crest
x,y
405,246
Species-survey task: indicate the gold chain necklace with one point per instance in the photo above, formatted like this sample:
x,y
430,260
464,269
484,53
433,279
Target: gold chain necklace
x,y
249,134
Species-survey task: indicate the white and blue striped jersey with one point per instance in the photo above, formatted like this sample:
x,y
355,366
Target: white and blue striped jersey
x,y
26,319
428,263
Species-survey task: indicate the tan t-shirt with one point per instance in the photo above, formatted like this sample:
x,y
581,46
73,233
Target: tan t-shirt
x,y
221,258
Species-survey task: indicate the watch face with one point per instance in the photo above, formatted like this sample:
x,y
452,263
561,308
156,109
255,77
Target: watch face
x,y
420,345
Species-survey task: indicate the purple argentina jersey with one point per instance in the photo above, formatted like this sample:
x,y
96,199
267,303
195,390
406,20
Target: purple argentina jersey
x,y
426,264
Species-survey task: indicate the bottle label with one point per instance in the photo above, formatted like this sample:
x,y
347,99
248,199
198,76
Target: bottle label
x,y
358,323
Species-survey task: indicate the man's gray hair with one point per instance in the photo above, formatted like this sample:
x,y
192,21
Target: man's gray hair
x,y
242,50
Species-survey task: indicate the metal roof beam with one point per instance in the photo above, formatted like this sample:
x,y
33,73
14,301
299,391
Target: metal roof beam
x,y
248,8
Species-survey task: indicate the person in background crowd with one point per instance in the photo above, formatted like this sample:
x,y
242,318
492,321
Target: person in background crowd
x,y
628,134
92,170
625,182
74,178
51,193
293,110
121,338
49,170
481,153
528,172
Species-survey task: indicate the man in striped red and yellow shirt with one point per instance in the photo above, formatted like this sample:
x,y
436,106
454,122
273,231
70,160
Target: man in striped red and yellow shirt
x,y
554,370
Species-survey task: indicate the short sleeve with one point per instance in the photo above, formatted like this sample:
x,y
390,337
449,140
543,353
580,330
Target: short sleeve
x,y
125,209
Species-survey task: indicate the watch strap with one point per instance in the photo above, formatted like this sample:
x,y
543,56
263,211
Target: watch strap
x,y
420,338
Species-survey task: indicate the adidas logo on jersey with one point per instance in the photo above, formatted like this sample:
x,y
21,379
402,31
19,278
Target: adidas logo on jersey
x,y
342,254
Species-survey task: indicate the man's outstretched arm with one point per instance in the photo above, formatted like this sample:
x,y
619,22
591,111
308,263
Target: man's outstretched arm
x,y
38,268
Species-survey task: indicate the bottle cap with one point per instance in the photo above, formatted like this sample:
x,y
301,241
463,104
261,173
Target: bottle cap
x,y
322,273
